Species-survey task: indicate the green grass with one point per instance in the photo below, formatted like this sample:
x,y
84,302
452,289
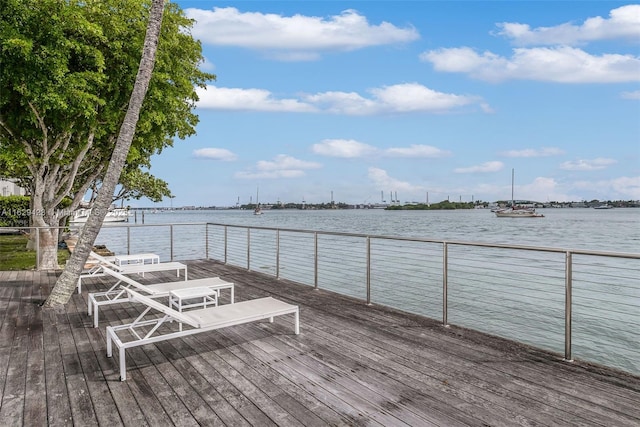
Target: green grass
x,y
15,256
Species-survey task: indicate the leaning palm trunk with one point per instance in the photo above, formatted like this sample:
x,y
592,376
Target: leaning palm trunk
x,y
66,283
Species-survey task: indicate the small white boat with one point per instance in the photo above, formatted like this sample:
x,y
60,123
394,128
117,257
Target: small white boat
x,y
605,206
113,215
517,211
258,209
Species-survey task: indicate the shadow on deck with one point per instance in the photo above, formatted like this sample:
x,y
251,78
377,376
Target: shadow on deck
x,y
350,365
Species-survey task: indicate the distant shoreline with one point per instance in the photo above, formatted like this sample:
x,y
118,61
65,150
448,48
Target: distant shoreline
x,y
407,206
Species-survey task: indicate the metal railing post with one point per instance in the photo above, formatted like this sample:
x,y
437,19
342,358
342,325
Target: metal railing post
x,y
37,248
445,283
226,244
171,240
128,240
315,260
248,249
206,241
277,254
568,279
368,270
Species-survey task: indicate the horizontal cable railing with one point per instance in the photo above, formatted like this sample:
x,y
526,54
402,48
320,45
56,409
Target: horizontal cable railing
x,y
577,303
567,301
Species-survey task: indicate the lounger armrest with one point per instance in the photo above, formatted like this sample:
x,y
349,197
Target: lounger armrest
x,y
151,303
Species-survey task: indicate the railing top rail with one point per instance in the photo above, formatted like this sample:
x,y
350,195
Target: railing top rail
x,y
383,237
441,241
127,224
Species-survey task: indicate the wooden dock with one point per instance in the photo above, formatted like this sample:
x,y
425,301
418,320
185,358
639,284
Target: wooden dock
x,y
351,365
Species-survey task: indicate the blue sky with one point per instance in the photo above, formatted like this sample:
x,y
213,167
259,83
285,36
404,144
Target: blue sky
x,y
366,99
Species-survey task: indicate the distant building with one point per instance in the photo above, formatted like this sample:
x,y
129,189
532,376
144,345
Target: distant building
x,y
10,188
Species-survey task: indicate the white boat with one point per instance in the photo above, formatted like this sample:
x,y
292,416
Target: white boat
x,y
258,209
605,206
517,211
113,215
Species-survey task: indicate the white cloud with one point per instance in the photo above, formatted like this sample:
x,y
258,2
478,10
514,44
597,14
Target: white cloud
x,y
530,152
587,165
486,108
349,148
284,162
215,154
382,180
631,95
346,148
395,99
296,37
627,187
349,103
269,174
484,167
622,188
207,65
543,189
623,23
561,64
247,100
425,151
411,97
282,166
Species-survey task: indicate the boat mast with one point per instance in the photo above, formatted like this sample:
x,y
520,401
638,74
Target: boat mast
x,y
513,202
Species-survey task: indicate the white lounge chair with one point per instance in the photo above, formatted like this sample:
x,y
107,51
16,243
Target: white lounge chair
x,y
143,332
129,268
116,293
95,260
141,258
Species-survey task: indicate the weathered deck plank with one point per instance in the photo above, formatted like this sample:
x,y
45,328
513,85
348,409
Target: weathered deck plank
x,y
57,394
99,369
154,380
351,365
35,407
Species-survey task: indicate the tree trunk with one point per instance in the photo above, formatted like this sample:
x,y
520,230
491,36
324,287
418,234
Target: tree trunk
x,y
43,239
67,281
48,249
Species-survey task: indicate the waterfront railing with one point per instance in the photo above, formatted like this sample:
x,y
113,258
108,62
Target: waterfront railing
x,y
577,303
572,302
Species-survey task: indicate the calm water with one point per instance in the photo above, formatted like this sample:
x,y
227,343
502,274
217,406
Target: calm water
x,y
606,296
615,230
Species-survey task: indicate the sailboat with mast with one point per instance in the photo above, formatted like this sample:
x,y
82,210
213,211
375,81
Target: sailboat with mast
x,y
517,211
258,209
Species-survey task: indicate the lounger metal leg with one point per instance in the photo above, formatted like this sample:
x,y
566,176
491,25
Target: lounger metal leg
x,y
109,350
95,316
123,365
297,322
232,295
89,302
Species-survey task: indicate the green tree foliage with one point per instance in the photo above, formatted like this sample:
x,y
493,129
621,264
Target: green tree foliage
x,y
67,69
443,205
14,211
136,183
